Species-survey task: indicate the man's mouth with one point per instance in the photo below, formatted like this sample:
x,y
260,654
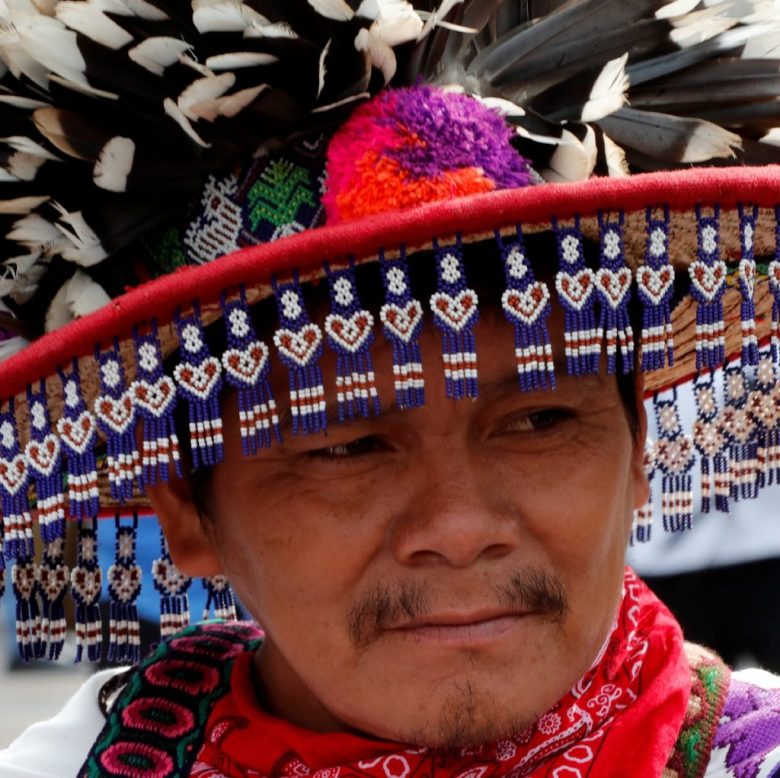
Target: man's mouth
x,y
461,628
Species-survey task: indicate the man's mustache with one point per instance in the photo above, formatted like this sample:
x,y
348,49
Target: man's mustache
x,y
386,606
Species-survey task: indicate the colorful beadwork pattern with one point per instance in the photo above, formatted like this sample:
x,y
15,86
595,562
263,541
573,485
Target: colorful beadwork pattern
x,y
219,599
77,429
455,312
199,378
172,585
764,409
526,304
299,343
116,417
154,395
52,585
711,445
28,617
642,528
17,540
575,283
402,320
739,428
748,216
86,585
350,331
708,285
247,365
157,723
613,284
675,458
773,272
124,586
655,285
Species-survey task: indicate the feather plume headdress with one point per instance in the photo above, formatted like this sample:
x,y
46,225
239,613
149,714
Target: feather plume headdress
x,y
241,144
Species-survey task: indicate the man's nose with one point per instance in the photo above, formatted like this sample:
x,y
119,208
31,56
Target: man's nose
x,y
457,515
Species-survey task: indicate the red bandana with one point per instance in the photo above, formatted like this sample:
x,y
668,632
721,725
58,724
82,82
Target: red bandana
x,y
621,719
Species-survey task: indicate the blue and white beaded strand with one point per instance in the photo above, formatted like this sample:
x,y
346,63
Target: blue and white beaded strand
x,y
124,586
711,445
86,585
172,585
748,216
17,541
740,429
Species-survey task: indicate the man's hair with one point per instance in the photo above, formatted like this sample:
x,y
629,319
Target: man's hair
x,y
485,275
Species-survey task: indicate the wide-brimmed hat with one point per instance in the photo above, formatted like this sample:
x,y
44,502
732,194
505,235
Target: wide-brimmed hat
x,y
167,167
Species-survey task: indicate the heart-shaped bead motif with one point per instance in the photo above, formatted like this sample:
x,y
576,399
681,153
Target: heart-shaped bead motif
x,y
676,455
613,285
115,414
299,347
13,474
747,274
773,271
654,284
526,306
575,289
247,364
43,456
708,280
402,321
154,398
24,576
125,581
86,584
349,333
53,581
168,578
77,434
200,380
708,437
455,312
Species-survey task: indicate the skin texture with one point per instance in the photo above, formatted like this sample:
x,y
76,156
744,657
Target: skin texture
x,y
438,576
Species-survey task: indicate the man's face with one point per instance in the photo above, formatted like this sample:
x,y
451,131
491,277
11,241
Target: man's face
x,y
441,575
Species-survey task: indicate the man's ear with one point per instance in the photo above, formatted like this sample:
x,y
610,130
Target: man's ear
x,y
641,484
188,542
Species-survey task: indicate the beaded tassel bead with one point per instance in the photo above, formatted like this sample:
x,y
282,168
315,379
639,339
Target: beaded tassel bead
x,y
613,284
44,457
655,285
740,429
116,415
350,332
219,598
711,445
675,458
77,429
247,367
708,285
86,584
172,585
199,378
764,408
526,305
642,527
17,540
773,272
53,579
455,311
575,283
299,342
28,618
124,586
747,282
402,320
154,395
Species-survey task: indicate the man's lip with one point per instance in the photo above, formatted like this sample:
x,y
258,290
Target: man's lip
x,y
461,628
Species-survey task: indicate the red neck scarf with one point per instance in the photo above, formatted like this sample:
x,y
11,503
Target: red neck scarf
x,y
620,719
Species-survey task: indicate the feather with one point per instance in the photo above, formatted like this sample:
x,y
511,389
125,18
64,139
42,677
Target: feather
x,y
673,138
380,54
21,205
82,244
224,16
202,90
12,345
114,164
574,159
90,20
321,73
173,110
78,297
229,105
157,54
337,10
394,21
240,59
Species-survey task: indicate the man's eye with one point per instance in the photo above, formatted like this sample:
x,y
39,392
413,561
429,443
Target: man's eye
x,y
538,421
349,449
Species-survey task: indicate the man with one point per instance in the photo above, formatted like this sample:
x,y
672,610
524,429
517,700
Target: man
x,y
435,554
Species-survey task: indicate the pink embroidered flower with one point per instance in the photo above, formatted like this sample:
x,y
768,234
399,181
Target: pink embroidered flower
x,y
136,760
190,677
167,718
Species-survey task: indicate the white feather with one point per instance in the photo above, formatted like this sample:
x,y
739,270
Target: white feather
x,y
24,103
28,146
24,167
203,90
380,54
322,72
340,103
432,18
608,93
157,54
173,110
262,28
573,160
617,165
11,346
146,10
338,10
395,21
240,59
676,8
37,234
84,88
772,137
114,164
223,16
89,19
78,297
229,106
82,244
